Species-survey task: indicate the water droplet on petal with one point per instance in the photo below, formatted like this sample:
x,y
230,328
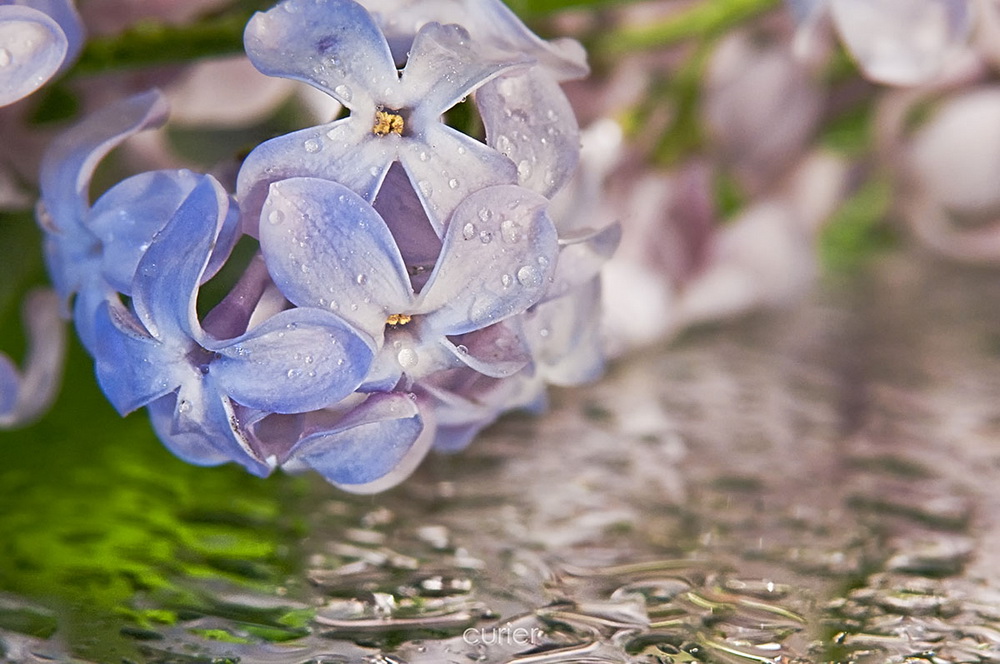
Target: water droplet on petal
x,y
5,58
184,406
425,188
312,146
524,170
485,214
309,359
453,183
509,231
276,217
424,156
344,92
463,350
469,231
506,280
529,276
293,373
407,358
485,237
461,149
361,279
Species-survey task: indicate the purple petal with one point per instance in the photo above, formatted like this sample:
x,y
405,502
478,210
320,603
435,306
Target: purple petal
x,y
231,317
132,367
166,283
331,44
299,360
399,207
529,120
32,48
497,351
345,151
498,258
65,14
192,446
24,397
445,166
367,444
326,247
444,67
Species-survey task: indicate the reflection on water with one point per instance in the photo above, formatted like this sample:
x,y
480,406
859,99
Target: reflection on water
x,y
815,486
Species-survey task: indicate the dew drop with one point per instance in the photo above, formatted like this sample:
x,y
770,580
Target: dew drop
x,y
407,358
293,373
309,359
503,144
509,231
524,170
529,276
506,280
544,332
374,170
343,92
485,237
551,115
461,149
361,279
463,350
424,156
184,406
469,231
312,146
304,268
276,217
543,261
425,188
485,214
453,183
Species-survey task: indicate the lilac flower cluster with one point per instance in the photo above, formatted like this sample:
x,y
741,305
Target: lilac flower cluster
x,y
410,284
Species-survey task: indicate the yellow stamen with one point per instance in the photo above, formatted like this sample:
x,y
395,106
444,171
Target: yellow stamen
x,y
387,123
398,319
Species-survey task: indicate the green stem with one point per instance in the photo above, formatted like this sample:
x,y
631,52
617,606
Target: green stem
x,y
702,20
148,44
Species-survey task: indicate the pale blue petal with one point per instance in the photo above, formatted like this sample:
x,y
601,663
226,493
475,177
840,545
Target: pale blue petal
x,y
367,444
299,360
345,151
493,27
529,120
326,247
444,67
70,161
32,49
498,258
64,13
497,351
581,257
331,44
127,216
132,367
445,166
92,295
192,446
564,334
167,278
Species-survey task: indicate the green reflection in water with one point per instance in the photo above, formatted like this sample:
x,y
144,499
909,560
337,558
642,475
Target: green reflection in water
x,y
104,526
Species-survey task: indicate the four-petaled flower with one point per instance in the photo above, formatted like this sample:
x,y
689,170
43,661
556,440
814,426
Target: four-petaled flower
x,y
336,46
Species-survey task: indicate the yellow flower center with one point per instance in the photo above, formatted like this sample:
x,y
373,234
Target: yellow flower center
x,y
398,319
387,122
